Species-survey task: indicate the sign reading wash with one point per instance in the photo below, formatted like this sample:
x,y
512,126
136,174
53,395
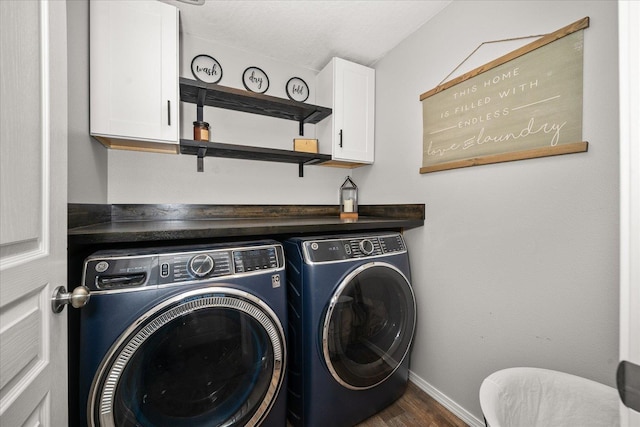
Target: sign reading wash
x,y
525,104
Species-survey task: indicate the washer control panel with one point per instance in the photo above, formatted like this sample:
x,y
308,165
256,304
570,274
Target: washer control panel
x,y
352,247
248,260
124,269
185,266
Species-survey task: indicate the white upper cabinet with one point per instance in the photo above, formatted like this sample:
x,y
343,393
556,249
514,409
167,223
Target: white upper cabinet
x,y
349,89
134,74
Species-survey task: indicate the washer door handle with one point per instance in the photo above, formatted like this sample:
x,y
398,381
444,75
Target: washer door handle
x,y
78,298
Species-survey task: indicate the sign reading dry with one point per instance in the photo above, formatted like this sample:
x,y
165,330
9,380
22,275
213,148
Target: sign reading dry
x,y
526,104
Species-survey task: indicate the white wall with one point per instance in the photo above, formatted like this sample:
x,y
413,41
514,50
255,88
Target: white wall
x,y
87,157
517,264
159,178
98,175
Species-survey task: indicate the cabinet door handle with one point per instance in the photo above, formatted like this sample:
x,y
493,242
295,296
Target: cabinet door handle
x,y
168,112
340,138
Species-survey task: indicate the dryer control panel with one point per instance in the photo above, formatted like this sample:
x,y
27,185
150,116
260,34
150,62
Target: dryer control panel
x,y
124,269
352,247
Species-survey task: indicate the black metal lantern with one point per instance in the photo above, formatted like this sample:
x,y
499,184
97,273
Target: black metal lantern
x,y
348,200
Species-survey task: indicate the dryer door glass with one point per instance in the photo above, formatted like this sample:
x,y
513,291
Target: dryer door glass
x,y
369,326
204,360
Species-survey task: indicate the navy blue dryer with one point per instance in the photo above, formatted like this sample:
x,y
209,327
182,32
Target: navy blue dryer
x,y
351,318
184,336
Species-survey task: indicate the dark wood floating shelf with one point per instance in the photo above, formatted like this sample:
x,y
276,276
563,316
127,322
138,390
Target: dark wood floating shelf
x,y
215,95
217,149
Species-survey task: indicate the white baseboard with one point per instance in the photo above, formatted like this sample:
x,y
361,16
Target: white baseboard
x,y
446,401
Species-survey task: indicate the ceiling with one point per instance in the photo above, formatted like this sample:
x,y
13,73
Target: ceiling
x,y
308,32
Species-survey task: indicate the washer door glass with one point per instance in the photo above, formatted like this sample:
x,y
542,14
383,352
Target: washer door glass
x,y
208,358
369,326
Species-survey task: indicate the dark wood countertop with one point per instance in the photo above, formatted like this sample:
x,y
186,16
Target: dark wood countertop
x,y
97,224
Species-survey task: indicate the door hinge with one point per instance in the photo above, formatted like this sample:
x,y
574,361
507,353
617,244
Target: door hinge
x,y
628,381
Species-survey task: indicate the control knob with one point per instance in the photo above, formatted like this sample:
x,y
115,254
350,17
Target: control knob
x,y
201,265
366,246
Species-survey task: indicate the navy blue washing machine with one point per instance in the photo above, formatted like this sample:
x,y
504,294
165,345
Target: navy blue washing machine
x,y
184,336
352,315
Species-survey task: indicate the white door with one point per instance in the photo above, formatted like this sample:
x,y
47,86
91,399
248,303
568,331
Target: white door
x,y
629,21
33,216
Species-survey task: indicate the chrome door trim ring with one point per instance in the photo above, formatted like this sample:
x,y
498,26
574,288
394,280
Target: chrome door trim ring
x,y
332,304
107,377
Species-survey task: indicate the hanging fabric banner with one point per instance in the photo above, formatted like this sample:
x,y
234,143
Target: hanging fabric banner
x,y
525,104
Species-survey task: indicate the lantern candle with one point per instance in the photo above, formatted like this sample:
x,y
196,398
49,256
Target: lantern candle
x,y
348,205
348,200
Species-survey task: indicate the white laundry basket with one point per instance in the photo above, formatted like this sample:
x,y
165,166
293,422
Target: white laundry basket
x,y
532,397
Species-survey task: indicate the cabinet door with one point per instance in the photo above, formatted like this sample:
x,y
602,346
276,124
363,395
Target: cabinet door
x,y
353,112
134,71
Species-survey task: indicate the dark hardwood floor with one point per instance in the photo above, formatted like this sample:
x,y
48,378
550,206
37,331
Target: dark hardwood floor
x,y
414,409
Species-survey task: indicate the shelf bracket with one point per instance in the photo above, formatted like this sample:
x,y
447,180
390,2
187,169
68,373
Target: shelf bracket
x,y
202,152
301,170
306,119
202,93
